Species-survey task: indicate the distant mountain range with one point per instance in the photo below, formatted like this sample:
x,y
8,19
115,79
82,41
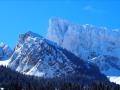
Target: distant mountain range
x,y
68,50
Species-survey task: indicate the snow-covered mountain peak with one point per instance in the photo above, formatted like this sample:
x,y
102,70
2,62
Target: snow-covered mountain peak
x,y
27,35
91,43
85,39
53,21
32,34
41,57
5,51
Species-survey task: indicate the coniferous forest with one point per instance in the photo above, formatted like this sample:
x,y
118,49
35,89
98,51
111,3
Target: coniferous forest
x,y
12,80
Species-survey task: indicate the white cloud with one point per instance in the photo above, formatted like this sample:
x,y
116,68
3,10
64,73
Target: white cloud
x,y
88,8
92,9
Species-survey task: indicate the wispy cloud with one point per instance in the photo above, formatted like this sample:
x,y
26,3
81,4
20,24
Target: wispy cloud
x,y
90,8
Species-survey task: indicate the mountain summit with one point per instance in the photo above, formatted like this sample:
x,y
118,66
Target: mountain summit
x,y
98,45
5,51
35,55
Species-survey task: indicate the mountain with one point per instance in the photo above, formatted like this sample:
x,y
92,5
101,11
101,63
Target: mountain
x,y
98,45
5,51
35,55
109,65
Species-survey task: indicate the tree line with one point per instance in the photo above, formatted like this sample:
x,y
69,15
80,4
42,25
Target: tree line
x,y
12,80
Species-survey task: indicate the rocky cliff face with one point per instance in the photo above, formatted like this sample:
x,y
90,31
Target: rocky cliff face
x,y
88,42
35,55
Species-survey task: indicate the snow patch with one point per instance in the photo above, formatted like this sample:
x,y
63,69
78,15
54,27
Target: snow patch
x,y
5,62
115,79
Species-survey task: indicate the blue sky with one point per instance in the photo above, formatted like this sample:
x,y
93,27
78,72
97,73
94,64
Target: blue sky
x,y
20,16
